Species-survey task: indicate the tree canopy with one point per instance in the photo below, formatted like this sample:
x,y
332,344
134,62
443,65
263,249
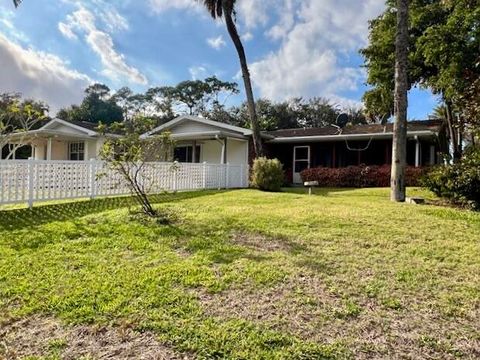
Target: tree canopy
x,y
443,57
97,106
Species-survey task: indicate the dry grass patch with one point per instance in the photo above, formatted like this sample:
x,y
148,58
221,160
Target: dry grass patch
x,y
44,337
263,243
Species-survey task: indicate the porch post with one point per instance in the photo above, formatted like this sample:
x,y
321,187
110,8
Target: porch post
x,y
194,151
49,148
85,155
432,155
224,152
418,160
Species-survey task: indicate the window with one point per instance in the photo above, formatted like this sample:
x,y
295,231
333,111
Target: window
x,y
301,158
184,154
76,151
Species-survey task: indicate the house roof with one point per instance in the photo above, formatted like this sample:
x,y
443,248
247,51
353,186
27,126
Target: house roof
x,y
414,128
56,127
210,123
429,125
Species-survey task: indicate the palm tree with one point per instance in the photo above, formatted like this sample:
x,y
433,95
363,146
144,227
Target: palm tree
x,y
399,153
16,2
226,9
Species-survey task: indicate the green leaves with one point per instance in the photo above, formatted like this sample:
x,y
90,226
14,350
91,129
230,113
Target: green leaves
x,y
443,54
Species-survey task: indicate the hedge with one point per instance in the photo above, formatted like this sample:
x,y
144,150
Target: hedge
x,y
459,183
360,176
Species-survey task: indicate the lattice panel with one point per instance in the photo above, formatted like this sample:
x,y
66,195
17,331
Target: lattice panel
x,y
32,180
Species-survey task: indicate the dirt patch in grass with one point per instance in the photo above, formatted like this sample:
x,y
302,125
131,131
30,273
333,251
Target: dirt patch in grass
x,y
296,305
42,337
303,306
263,243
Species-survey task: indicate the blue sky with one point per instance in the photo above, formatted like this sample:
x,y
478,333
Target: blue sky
x,y
52,49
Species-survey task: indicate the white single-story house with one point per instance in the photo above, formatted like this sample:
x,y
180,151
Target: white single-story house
x,y
201,140
197,139
62,140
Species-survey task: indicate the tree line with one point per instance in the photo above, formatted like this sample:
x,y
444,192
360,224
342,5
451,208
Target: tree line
x,y
206,98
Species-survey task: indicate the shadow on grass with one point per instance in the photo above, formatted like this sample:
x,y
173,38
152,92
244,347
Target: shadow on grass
x,y
317,191
20,218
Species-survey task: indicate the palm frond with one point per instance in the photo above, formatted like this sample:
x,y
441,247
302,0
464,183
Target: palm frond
x,y
16,2
218,8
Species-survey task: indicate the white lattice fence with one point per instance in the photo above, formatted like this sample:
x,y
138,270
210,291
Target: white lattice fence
x,y
31,181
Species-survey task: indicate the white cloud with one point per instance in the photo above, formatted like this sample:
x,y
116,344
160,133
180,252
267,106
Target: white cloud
x,y
255,13
248,36
114,63
67,31
198,72
164,5
313,45
216,43
39,75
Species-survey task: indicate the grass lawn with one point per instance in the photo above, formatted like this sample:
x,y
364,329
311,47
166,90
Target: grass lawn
x,y
242,275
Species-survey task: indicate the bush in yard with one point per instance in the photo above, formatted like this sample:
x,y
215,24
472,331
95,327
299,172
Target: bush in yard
x,y
458,183
267,174
129,155
360,176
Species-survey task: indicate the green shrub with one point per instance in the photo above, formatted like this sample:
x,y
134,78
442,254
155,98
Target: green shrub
x,y
458,183
267,174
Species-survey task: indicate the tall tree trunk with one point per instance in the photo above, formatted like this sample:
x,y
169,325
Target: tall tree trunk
x,y
232,30
453,132
399,153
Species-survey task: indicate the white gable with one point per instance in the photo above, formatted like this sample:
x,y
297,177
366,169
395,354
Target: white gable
x,y
192,127
67,128
197,125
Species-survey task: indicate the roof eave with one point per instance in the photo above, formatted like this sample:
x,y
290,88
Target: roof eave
x,y
327,138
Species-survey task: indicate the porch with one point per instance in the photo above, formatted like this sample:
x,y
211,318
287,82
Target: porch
x,y
337,154
200,140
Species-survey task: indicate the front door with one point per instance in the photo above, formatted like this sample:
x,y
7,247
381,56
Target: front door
x,y
301,161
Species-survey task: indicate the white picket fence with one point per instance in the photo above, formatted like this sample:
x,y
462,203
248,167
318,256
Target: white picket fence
x,y
29,181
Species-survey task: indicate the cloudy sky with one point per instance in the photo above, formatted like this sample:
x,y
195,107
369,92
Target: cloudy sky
x,y
52,49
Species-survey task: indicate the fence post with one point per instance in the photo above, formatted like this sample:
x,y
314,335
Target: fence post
x,y
241,176
31,175
227,175
175,164
204,175
93,173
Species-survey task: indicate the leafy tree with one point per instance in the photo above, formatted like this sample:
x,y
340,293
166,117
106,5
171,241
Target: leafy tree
x,y
17,117
97,106
271,116
315,112
399,157
378,104
189,93
217,87
226,9
196,97
357,115
443,57
130,157
123,99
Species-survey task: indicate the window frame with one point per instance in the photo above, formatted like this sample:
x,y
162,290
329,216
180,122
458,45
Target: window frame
x,y
80,151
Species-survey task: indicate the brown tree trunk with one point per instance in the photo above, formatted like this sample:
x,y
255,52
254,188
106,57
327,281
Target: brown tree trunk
x,y
232,30
453,132
399,153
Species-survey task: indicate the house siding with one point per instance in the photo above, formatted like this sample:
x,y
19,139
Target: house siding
x,y
337,154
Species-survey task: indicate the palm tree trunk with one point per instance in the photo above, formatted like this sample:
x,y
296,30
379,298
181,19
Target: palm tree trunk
x,y
232,30
452,131
399,153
